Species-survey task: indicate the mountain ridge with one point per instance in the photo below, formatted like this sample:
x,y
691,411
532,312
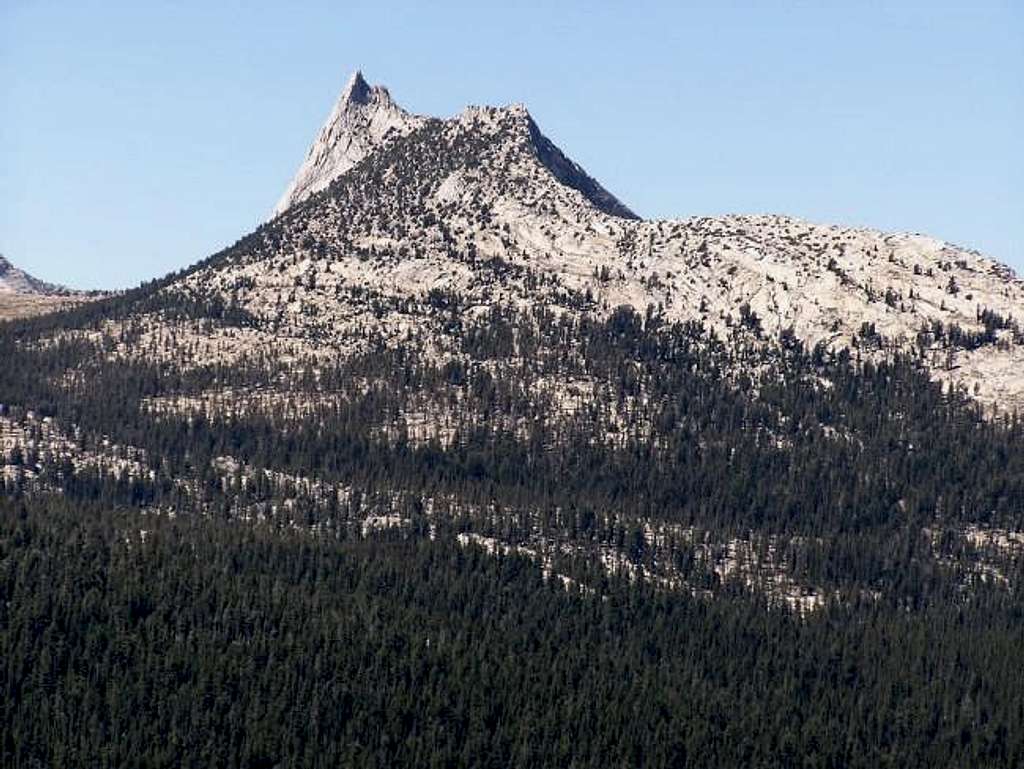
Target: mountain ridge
x,y
23,295
16,281
483,207
426,207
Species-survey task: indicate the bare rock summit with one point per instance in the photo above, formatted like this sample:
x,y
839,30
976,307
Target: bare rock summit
x,y
364,118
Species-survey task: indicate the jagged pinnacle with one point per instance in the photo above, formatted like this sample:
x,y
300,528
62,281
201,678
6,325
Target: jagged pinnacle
x,y
357,90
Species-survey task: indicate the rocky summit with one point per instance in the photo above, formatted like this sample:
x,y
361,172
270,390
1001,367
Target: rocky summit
x,y
389,207
363,119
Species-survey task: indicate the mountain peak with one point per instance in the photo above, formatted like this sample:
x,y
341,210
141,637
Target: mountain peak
x,y
564,169
357,89
358,92
363,118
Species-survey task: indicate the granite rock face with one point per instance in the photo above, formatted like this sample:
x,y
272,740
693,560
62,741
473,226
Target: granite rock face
x,y
364,118
482,205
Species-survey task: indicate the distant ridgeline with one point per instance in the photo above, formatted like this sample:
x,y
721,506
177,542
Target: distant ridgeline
x,y
22,295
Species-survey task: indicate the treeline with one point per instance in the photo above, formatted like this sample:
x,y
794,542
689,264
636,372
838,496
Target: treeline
x,y
667,423
839,465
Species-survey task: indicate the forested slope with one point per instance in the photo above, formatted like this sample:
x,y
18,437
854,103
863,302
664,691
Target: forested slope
x,y
154,642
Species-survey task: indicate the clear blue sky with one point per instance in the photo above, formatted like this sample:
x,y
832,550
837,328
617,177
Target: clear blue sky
x,y
138,137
